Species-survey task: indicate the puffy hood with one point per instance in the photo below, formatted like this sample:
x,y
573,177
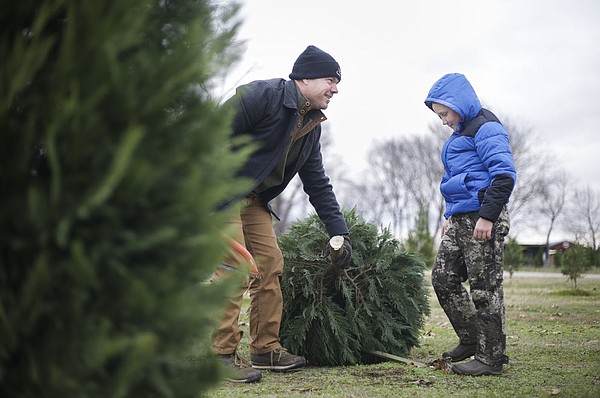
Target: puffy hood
x,y
454,91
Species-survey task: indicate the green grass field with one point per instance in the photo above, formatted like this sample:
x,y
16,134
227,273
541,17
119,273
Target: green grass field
x,y
553,341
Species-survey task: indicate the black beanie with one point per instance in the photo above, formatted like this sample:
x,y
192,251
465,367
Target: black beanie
x,y
314,63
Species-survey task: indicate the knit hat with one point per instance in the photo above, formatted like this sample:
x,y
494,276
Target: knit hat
x,y
314,63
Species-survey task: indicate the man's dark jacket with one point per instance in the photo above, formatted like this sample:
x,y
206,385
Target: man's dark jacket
x,y
267,111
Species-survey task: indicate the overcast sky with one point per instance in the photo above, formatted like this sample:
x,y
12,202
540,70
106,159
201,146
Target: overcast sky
x,y
537,61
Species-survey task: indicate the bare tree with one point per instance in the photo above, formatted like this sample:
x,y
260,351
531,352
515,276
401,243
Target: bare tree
x,y
552,202
438,203
406,173
387,186
531,162
585,217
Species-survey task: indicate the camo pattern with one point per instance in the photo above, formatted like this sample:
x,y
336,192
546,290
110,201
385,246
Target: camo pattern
x,y
479,317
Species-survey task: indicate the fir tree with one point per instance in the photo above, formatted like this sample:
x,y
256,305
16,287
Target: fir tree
x,y
333,316
513,256
113,160
574,262
420,240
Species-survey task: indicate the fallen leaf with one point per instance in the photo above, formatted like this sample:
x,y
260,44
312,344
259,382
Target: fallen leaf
x,y
442,364
421,382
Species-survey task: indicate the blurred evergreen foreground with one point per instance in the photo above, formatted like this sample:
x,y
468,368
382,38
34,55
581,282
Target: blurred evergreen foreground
x,y
113,159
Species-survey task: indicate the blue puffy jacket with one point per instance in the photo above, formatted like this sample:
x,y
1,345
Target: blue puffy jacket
x,y
479,168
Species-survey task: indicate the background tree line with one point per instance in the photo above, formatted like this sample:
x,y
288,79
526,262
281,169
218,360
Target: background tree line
x,y
400,190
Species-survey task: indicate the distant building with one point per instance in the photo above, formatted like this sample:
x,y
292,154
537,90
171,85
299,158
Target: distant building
x,y
535,255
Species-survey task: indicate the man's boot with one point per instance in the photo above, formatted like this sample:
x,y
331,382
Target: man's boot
x,y
277,360
238,370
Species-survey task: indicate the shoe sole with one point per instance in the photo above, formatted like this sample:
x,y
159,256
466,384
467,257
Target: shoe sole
x,y
280,368
486,372
247,380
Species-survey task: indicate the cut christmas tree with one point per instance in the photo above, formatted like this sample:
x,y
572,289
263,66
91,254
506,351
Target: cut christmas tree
x,y
334,316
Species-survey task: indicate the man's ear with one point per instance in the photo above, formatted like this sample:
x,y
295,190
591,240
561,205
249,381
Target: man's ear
x,y
303,84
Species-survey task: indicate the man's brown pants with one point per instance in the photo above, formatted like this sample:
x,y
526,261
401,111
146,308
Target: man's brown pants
x,y
253,228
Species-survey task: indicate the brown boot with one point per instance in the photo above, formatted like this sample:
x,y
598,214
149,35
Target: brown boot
x,y
239,370
277,360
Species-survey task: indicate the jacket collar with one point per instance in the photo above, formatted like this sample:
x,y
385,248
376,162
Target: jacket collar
x,y
290,99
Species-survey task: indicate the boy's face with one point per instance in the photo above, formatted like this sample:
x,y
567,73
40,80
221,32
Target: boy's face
x,y
319,91
448,116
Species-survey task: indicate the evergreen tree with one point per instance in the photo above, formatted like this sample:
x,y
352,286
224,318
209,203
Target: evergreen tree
x,y
420,240
513,256
574,262
113,159
333,316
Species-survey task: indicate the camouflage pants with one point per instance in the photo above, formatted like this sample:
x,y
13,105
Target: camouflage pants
x,y
479,317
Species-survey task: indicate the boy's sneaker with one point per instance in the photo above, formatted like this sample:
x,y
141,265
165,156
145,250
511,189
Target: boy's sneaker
x,y
277,360
476,368
460,352
239,370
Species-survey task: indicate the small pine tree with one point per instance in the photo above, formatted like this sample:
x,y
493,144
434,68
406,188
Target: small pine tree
x,y
333,316
574,262
420,240
113,158
595,255
513,256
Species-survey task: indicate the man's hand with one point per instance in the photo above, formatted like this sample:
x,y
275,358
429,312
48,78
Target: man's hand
x,y
345,256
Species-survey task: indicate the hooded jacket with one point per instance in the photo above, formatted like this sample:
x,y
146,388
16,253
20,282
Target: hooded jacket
x,y
267,112
479,167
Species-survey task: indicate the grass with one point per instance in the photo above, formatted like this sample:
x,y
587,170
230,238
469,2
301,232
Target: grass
x,y
553,341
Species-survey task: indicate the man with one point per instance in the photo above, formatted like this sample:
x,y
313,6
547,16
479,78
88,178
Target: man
x,y
283,119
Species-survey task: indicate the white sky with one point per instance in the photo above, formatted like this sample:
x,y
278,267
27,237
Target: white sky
x,y
537,61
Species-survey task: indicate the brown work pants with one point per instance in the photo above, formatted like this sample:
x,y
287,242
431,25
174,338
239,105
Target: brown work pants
x,y
253,228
